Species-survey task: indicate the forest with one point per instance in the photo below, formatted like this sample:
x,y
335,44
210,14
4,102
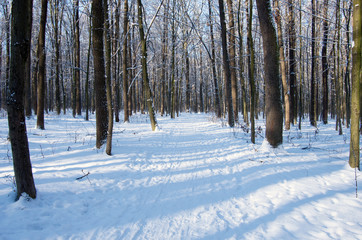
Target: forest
x,y
168,119
170,56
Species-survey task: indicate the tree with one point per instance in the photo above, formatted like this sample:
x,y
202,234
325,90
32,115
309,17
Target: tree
x,y
232,56
354,153
313,94
20,54
213,65
283,69
146,84
125,62
226,63
78,105
99,73
273,107
251,68
42,65
325,63
292,64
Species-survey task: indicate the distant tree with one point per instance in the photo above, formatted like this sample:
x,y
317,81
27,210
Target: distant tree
x,y
313,85
325,69
146,83
273,107
251,68
292,64
232,56
213,65
78,103
354,152
226,64
42,66
20,54
125,61
283,69
99,73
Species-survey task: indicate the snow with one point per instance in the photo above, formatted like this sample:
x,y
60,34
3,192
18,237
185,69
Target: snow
x,y
194,178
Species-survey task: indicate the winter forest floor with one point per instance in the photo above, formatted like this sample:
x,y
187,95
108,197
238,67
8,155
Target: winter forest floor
x,y
194,178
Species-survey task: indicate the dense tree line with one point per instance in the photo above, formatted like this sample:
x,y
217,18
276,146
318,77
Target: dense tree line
x,y
283,60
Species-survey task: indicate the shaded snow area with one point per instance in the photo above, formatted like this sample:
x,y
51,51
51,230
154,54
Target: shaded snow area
x,y
194,178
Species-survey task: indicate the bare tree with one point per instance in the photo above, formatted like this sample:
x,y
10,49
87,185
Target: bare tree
x,y
42,64
20,54
354,152
99,72
146,84
226,63
273,107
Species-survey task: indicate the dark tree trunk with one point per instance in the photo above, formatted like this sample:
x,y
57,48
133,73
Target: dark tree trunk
x,y
232,58
226,63
325,64
313,102
20,54
78,105
108,76
99,73
213,65
125,62
273,106
42,64
292,65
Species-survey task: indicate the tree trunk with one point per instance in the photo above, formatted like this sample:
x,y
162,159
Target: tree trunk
x,y
273,107
125,62
213,65
292,64
251,68
99,73
283,69
354,153
173,60
42,64
226,63
107,34
87,74
20,55
243,104
78,105
116,62
313,103
146,84
232,58
325,64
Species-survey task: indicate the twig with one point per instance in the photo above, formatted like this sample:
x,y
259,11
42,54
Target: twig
x,y
84,175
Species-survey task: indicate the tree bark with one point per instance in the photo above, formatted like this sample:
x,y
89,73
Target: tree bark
x,y
107,34
325,64
251,69
146,84
313,103
125,62
20,54
226,63
273,106
232,58
354,153
292,64
213,65
283,69
99,73
78,103
42,65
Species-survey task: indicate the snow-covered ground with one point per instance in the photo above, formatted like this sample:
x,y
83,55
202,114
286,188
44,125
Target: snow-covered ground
x,y
194,178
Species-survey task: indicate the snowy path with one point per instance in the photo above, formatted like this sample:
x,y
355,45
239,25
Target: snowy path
x,y
192,179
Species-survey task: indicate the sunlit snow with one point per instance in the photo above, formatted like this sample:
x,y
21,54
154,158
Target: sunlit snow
x,y
194,178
